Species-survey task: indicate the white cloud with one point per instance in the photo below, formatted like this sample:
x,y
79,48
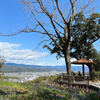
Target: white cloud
x,y
12,53
6,45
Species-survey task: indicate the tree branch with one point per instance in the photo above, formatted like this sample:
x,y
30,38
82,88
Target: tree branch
x,y
43,8
22,31
71,17
58,24
60,12
73,9
46,31
42,42
54,8
56,29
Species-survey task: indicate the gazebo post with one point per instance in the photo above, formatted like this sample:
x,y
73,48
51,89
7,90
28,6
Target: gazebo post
x,y
89,66
83,70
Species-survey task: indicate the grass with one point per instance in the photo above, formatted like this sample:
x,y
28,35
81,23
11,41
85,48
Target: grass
x,y
93,96
43,88
13,85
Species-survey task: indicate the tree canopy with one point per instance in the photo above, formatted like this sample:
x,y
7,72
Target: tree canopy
x,y
96,59
85,31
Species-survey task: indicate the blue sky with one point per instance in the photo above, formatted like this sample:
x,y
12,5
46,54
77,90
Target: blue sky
x,y
17,48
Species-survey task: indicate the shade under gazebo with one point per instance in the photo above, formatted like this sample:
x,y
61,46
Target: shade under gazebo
x,y
84,61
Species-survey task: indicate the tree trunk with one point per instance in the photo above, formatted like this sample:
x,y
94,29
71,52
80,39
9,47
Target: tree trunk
x,y
68,64
67,60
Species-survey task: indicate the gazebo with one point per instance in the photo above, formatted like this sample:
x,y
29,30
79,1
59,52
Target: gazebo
x,y
83,62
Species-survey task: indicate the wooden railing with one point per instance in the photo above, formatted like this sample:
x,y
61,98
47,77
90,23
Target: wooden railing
x,y
78,80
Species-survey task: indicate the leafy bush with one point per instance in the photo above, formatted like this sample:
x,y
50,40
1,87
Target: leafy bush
x,y
96,75
53,78
38,80
44,78
97,60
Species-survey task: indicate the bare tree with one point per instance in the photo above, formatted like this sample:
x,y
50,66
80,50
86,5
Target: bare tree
x,y
53,19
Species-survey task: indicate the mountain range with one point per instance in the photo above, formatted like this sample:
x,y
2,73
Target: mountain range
x,y
13,67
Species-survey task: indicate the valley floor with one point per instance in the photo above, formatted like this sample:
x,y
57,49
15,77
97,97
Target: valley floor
x,y
28,76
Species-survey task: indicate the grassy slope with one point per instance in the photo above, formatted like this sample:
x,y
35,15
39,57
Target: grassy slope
x,y
42,88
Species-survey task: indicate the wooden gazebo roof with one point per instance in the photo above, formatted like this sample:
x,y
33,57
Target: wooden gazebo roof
x,y
83,61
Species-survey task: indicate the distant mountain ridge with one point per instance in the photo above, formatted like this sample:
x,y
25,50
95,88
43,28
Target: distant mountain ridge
x,y
13,67
21,65
24,65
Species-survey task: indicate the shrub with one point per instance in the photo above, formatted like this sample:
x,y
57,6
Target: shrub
x,y
96,75
40,79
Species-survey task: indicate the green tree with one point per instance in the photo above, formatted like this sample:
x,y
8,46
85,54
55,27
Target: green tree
x,y
88,32
2,61
85,32
96,58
